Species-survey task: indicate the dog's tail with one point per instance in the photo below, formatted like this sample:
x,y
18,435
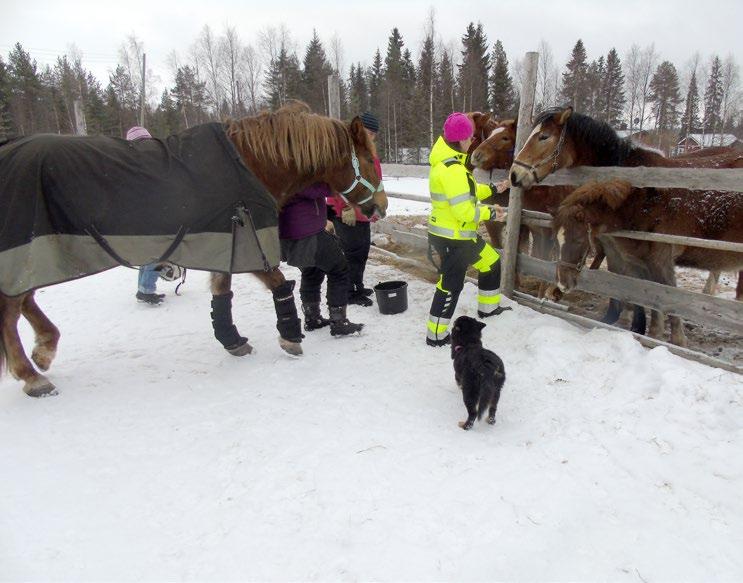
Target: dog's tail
x,y
492,383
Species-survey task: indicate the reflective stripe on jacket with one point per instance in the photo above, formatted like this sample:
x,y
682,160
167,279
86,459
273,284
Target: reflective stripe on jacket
x,y
455,213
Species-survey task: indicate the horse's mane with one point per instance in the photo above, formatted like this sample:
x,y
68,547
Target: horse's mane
x,y
610,194
599,136
293,137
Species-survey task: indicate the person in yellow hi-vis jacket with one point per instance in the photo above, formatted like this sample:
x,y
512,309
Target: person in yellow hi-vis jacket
x,y
452,230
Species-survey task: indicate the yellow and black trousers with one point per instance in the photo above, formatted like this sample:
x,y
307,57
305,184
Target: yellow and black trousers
x,y
452,257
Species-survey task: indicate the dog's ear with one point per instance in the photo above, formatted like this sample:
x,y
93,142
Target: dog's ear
x,y
481,325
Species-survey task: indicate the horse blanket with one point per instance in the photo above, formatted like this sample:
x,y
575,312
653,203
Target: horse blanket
x,y
71,206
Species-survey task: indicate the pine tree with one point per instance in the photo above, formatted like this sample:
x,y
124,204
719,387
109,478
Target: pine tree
x,y
315,71
664,93
594,81
189,95
690,120
374,81
612,98
358,93
473,72
121,102
5,121
25,90
575,90
712,122
502,96
424,92
445,91
284,79
393,78
165,119
95,111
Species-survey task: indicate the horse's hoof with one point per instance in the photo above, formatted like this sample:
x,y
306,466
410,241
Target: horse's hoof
x,y
39,387
43,357
241,350
293,348
491,420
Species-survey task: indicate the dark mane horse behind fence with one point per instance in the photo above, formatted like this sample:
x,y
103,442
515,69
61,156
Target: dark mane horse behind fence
x,y
197,187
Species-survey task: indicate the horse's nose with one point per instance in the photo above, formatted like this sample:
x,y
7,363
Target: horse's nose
x,y
514,179
475,158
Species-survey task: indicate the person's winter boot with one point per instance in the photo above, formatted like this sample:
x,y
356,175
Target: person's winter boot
x,y
499,310
339,324
359,298
153,299
367,291
313,319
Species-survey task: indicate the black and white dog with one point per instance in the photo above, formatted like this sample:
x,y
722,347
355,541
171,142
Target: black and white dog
x,y
479,372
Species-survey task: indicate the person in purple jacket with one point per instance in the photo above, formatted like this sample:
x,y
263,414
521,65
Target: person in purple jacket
x,y
307,245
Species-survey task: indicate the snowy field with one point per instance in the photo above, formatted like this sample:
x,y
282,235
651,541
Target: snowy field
x,y
163,457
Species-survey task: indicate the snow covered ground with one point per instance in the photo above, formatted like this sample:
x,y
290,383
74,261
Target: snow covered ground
x,y
163,457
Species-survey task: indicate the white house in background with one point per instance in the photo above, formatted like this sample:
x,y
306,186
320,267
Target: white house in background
x,y
694,142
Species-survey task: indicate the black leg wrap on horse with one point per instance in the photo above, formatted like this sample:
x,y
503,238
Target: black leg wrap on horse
x,y
224,330
287,321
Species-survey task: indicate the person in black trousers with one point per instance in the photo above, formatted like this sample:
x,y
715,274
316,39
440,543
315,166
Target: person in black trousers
x,y
354,230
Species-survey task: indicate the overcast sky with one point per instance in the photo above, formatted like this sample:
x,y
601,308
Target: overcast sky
x,y
98,28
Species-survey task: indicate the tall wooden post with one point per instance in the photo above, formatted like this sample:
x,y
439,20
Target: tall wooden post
x,y
513,222
81,128
142,97
334,96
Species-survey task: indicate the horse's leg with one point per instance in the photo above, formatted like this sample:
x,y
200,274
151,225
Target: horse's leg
x,y
287,321
224,330
36,385
662,270
494,229
47,334
711,286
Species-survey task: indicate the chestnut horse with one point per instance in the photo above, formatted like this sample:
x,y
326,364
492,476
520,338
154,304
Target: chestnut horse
x,y
287,151
600,208
561,138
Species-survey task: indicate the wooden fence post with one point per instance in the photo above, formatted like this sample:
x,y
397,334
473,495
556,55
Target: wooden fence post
x,y
81,128
334,96
513,222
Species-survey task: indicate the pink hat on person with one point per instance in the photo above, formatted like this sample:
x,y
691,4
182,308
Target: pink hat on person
x,y
138,133
458,127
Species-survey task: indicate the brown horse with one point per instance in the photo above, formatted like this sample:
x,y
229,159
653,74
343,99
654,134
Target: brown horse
x,y
287,151
563,139
600,208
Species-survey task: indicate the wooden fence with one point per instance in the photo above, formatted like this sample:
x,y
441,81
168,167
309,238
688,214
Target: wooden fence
x,y
700,308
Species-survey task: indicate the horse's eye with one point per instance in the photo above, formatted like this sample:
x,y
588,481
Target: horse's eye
x,y
543,137
505,138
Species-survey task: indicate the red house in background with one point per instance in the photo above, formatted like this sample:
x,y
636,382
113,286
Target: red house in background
x,y
694,142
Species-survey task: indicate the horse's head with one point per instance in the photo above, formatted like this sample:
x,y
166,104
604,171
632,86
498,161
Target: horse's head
x,y
356,180
496,150
544,151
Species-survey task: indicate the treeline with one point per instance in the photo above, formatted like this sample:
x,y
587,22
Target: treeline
x,y
411,93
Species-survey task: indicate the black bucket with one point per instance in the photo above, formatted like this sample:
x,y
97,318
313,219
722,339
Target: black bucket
x,y
392,296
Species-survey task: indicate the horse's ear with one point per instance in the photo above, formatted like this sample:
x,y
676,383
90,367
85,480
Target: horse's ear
x,y
561,117
485,118
357,131
481,325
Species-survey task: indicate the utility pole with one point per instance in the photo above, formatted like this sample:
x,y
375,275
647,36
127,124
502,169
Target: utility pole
x,y
141,97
